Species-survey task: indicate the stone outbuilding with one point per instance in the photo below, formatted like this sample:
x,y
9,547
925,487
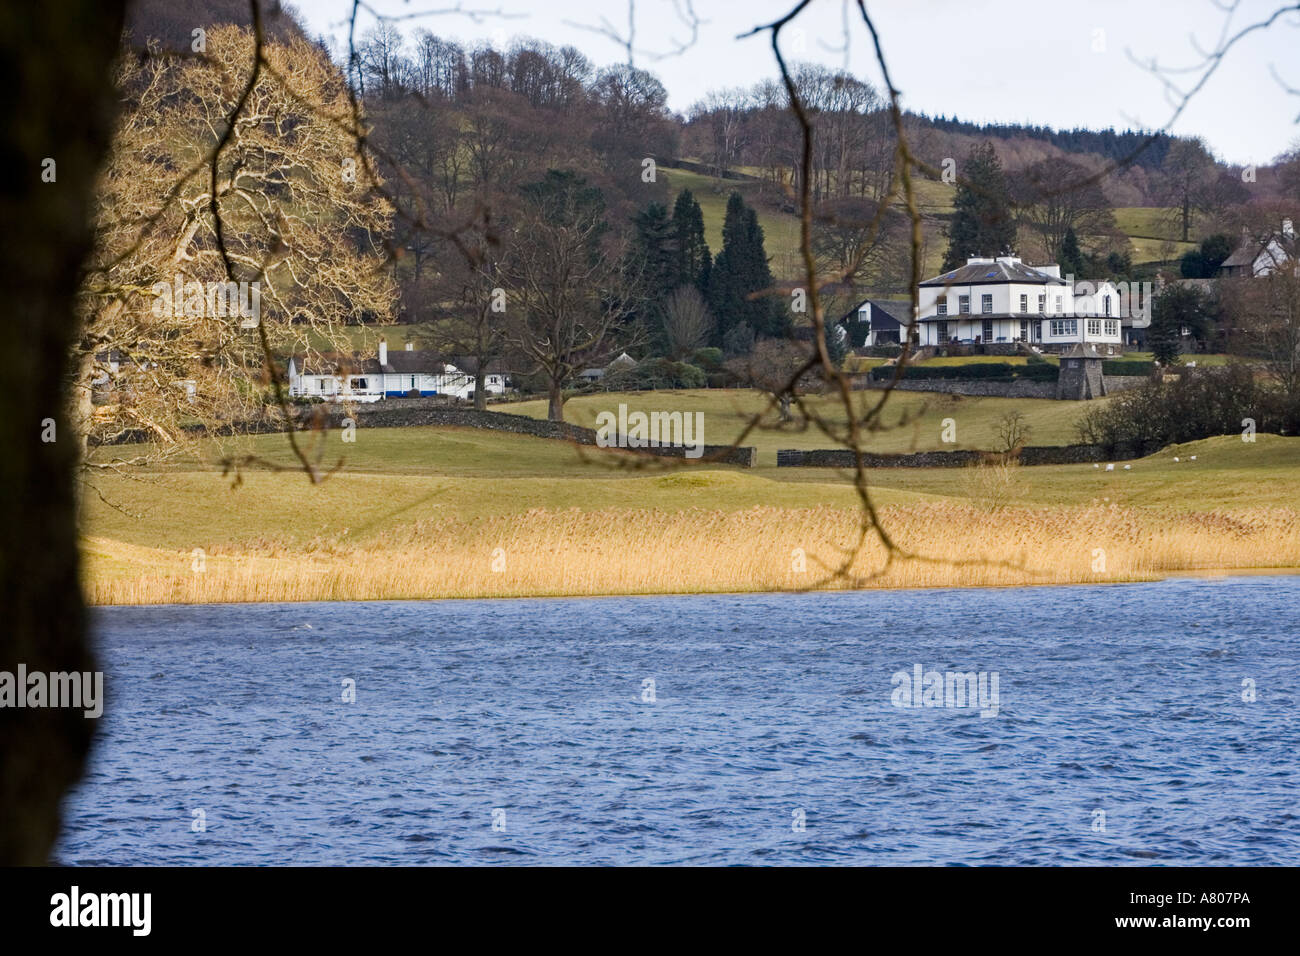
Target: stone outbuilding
x,y
1081,374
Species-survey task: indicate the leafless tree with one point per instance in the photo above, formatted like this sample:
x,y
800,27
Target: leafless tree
x,y
687,321
169,335
569,290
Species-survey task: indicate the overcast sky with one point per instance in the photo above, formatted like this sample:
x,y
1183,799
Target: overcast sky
x,y
1049,62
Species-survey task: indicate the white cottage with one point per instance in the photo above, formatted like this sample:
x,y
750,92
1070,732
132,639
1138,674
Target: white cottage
x,y
1003,301
390,375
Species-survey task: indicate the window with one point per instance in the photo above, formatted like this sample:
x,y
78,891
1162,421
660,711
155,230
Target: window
x,y
941,306
988,330
1024,330
1064,327
359,383
1024,302
1060,304
963,304
1042,304
1105,302
986,304
1094,326
1112,327
942,333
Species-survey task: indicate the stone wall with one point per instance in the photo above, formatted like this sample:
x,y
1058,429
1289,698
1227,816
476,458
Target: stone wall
x,y
379,416
960,458
410,413
1017,388
1121,383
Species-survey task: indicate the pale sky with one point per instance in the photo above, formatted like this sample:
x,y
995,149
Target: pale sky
x,y
1059,63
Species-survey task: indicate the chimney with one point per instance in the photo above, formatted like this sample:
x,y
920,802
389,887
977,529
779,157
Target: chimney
x,y
1288,229
383,351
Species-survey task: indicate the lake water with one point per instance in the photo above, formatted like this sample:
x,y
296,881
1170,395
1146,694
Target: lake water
x,y
527,731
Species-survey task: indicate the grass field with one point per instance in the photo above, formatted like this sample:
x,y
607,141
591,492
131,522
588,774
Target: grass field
x,y
440,512
915,419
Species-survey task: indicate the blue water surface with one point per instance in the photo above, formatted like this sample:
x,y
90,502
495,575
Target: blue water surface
x,y
528,731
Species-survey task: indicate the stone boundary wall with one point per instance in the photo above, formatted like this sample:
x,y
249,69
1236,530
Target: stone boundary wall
x,y
979,388
389,414
1122,383
974,387
960,458
377,416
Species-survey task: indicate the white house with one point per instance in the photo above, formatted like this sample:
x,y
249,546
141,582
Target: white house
x,y
887,320
1262,255
390,375
1003,301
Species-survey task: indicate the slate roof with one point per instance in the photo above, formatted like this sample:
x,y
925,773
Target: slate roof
x,y
403,362
899,310
1082,350
994,273
1251,246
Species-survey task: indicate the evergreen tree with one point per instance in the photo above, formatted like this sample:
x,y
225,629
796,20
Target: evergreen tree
x,y
694,261
1071,257
655,244
740,271
656,258
983,224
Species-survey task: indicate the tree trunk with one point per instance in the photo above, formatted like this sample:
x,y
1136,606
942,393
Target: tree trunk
x,y
555,405
59,57
480,384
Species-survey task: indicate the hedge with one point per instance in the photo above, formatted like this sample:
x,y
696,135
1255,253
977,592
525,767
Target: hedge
x,y
984,371
1127,367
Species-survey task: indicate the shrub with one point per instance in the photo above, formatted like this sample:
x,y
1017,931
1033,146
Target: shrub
x,y
1199,403
1127,367
1044,372
709,359
983,371
655,373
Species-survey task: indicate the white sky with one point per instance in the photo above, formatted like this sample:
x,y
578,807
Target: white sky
x,y
1060,63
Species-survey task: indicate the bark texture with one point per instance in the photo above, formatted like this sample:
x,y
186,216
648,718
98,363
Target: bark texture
x,y
56,73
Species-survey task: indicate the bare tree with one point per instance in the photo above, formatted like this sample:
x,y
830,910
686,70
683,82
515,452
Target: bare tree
x,y
470,317
1050,202
169,337
1267,312
781,370
687,321
568,292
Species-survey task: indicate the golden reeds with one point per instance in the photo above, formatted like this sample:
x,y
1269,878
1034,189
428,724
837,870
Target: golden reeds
x,y
574,552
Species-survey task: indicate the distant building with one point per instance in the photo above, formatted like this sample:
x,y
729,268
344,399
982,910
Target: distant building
x,y
1003,301
1081,375
886,320
411,371
1261,255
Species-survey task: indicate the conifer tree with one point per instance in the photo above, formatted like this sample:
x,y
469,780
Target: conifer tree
x,y
983,224
739,273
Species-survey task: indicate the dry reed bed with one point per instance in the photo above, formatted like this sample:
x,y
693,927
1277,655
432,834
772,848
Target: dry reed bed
x,y
549,553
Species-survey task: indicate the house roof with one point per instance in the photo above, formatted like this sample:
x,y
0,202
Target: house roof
x,y
993,273
1082,350
1250,247
404,362
898,309
469,365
